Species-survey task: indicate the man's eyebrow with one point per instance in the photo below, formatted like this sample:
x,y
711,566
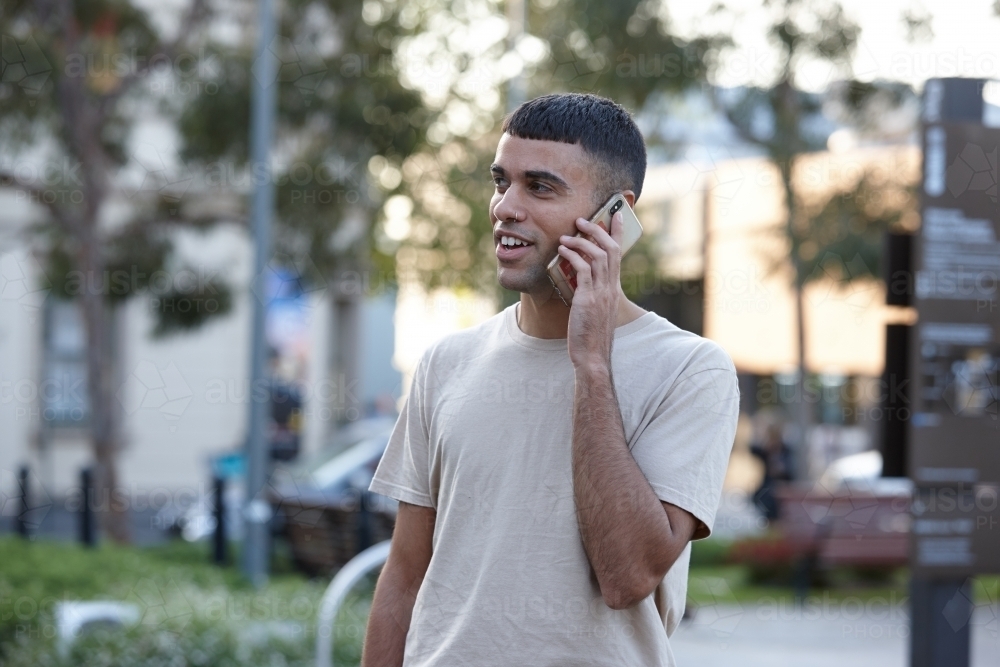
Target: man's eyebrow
x,y
546,176
539,174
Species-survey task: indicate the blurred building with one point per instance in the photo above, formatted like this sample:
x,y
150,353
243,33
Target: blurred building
x,y
183,398
718,226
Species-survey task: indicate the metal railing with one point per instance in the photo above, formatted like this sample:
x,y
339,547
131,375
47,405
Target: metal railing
x,y
336,593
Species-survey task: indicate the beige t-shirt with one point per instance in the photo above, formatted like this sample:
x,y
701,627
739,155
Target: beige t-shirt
x,y
485,437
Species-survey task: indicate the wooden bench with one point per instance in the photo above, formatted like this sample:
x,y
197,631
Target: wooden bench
x,y
325,534
857,523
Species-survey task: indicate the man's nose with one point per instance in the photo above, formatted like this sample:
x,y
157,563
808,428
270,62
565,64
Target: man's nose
x,y
510,207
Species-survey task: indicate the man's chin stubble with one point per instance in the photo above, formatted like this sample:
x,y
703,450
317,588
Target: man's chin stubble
x,y
535,283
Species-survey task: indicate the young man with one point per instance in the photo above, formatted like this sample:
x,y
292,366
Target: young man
x,y
553,463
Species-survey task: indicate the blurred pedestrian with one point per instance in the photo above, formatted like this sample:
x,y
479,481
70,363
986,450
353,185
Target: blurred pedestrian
x,y
776,456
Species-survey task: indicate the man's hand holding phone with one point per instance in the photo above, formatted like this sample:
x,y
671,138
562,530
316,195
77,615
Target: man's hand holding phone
x,y
594,312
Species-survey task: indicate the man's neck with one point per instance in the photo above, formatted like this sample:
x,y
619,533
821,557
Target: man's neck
x,y
549,318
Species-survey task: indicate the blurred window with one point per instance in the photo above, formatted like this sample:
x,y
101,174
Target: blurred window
x,y
63,394
831,403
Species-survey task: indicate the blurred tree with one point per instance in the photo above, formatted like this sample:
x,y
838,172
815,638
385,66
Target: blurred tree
x,y
814,38
626,51
78,79
845,232
439,232
345,125
69,91
629,53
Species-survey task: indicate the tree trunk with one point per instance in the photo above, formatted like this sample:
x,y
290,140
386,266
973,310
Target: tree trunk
x,y
83,119
110,502
802,416
801,412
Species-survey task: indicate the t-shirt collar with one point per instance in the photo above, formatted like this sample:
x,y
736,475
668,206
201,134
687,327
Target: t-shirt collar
x,y
521,338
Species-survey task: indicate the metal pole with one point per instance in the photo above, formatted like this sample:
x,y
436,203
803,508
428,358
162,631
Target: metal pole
x,y
940,620
257,511
336,593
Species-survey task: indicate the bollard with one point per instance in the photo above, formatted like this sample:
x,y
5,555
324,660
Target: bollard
x,y
364,523
219,555
25,501
88,535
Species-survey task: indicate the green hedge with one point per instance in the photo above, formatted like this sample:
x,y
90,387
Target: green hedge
x,y
192,613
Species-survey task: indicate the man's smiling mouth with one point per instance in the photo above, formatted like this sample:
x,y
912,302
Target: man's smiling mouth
x,y
511,241
510,247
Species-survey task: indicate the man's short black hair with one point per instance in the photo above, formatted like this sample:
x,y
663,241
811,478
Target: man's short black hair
x,y
602,127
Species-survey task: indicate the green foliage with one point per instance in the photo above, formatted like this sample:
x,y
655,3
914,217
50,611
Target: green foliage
x,y
216,126
781,118
179,310
843,239
777,118
79,93
639,269
194,613
347,124
195,644
623,50
710,553
341,105
35,39
191,612
140,263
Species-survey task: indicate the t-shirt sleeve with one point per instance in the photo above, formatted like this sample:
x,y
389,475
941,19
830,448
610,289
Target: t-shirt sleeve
x,y
404,471
684,448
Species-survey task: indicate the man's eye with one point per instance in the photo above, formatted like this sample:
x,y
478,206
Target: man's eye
x,y
540,187
499,182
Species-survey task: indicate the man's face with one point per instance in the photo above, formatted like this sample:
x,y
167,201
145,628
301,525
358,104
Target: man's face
x,y
542,187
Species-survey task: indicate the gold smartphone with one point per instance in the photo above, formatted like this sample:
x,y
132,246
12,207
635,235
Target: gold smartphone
x,y
561,271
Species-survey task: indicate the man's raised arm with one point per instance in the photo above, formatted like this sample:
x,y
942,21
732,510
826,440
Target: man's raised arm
x,y
631,538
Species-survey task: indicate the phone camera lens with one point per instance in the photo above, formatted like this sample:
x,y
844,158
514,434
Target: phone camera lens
x,y
618,205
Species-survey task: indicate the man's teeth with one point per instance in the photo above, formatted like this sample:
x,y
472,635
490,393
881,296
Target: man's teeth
x,y
511,241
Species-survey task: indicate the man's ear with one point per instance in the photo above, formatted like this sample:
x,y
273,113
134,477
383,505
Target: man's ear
x,y
629,197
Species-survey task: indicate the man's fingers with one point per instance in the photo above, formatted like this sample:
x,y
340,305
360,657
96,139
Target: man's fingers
x,y
593,254
598,257
582,266
608,242
581,244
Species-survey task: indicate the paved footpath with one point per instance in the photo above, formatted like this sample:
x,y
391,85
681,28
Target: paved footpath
x,y
772,636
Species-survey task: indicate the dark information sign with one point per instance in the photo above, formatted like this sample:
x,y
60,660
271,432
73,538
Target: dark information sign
x,y
955,425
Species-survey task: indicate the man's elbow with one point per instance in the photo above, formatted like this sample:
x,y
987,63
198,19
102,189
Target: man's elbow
x,y
628,591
